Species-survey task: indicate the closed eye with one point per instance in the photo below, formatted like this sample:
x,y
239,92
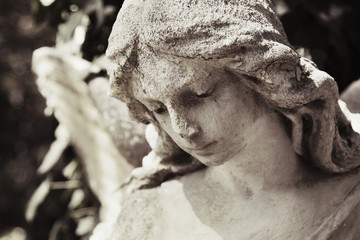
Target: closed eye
x,y
160,110
207,93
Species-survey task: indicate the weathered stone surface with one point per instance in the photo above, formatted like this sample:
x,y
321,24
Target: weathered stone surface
x,y
192,207
221,84
245,38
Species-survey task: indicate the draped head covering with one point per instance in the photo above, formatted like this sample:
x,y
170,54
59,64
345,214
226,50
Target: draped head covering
x,y
246,38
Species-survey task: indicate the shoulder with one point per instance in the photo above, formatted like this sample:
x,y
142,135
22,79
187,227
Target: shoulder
x,y
159,212
138,216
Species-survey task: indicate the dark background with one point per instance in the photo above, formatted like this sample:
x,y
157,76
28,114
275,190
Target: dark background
x,y
329,31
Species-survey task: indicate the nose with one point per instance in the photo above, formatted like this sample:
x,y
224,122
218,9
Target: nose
x,y
182,125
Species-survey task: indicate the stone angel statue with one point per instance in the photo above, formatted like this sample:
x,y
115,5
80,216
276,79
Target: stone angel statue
x,y
250,140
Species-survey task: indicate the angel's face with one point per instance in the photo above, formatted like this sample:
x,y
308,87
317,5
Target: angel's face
x,y
204,109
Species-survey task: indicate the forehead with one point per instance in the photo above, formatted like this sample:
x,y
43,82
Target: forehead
x,y
163,75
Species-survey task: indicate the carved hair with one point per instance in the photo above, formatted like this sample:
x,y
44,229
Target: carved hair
x,y
247,39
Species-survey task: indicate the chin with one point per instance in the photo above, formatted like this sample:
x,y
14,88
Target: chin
x,y
215,159
211,161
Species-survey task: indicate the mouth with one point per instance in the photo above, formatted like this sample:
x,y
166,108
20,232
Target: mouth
x,y
201,150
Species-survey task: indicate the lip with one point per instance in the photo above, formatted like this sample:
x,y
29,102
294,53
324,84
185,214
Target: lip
x,y
202,148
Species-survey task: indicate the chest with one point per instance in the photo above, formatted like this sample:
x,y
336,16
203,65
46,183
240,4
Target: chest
x,y
197,215
185,210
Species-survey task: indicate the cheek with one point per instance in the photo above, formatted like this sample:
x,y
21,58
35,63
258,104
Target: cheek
x,y
232,114
225,112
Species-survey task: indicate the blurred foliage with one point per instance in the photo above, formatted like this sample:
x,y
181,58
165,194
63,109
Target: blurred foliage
x,y
101,14
25,134
64,210
61,202
82,29
330,30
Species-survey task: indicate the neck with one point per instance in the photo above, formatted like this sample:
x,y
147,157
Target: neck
x,y
268,162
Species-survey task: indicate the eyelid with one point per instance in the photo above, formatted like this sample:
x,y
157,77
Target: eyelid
x,y
208,93
160,110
